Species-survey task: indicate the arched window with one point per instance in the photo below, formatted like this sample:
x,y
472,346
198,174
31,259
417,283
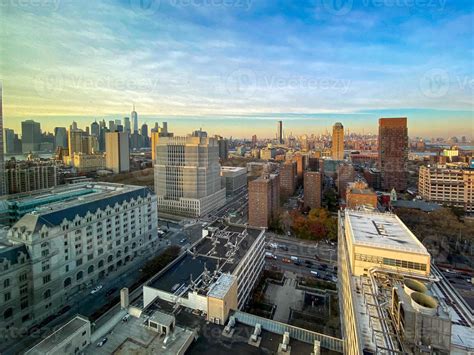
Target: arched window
x,y
67,282
110,258
101,264
6,283
47,294
90,270
8,313
79,275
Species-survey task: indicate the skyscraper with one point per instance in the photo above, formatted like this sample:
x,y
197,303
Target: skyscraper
x,y
2,162
30,136
288,179
280,132
338,141
117,152
60,137
187,176
75,138
126,124
95,129
9,140
134,116
144,133
393,153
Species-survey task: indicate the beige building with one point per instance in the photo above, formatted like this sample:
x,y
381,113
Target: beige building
x,y
338,141
448,184
392,300
187,176
30,176
85,163
117,152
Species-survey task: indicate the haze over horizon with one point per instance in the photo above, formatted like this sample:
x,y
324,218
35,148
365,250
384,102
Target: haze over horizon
x,y
231,66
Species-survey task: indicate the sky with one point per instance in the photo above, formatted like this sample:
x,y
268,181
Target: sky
x,y
234,66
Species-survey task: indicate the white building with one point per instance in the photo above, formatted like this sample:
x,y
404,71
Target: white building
x,y
233,178
187,176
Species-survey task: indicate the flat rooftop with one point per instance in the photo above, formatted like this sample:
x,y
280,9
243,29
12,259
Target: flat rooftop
x,y
220,252
59,336
382,230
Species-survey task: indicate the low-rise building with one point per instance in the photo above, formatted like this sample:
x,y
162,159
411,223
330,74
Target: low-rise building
x,y
358,194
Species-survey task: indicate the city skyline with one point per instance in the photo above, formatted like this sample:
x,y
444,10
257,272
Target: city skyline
x,y
173,62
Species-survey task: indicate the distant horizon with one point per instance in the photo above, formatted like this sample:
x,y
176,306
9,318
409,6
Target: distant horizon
x,y
425,123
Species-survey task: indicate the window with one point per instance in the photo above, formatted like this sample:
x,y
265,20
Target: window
x,y
67,282
8,313
7,296
23,290
79,262
24,304
47,294
6,283
79,275
46,279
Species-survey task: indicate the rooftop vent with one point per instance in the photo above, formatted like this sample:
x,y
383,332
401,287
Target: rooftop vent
x,y
410,286
424,303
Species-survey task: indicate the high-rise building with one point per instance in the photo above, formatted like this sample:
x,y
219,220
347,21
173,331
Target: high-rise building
x,y
156,134
288,179
345,175
300,160
393,153
9,140
264,200
144,134
280,132
312,189
126,124
223,148
60,137
450,184
28,176
187,176
134,116
30,136
338,141
254,141
2,162
95,129
117,150
75,140
112,126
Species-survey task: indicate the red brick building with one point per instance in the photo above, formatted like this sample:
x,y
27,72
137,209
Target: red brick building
x,y
312,189
393,153
359,194
288,179
264,200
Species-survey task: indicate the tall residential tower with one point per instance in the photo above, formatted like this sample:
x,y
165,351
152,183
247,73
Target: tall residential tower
x,y
338,141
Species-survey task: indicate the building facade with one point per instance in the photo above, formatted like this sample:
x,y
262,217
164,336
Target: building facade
x,y
234,179
450,184
187,176
393,153
337,149
117,152
312,189
62,247
288,179
28,176
345,175
264,200
359,194
2,162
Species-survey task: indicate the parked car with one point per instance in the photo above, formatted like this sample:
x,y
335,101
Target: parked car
x,y
182,241
125,318
102,342
314,273
96,289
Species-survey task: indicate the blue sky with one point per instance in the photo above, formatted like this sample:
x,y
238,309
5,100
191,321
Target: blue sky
x,y
201,59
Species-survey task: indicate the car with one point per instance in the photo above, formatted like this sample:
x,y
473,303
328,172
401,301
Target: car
x,y
96,289
182,241
323,266
297,263
314,273
309,262
125,318
102,342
